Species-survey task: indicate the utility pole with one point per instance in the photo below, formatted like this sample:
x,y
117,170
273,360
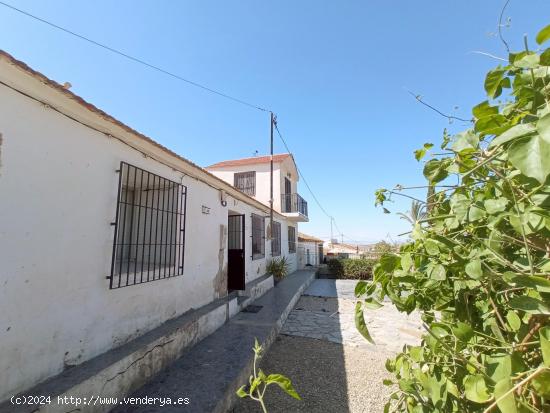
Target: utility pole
x,y
342,235
331,236
273,120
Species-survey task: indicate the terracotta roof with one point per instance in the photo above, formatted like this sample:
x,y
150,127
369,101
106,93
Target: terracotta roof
x,y
251,161
105,116
305,237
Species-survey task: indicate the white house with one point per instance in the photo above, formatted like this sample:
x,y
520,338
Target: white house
x,y
310,251
106,234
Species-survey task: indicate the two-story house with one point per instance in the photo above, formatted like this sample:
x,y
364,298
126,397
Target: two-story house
x,y
252,176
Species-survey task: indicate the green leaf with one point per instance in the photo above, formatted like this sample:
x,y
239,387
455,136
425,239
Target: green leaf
x,y
241,392
436,170
484,109
475,213
543,35
360,288
526,60
437,272
475,389
460,205
532,157
372,304
513,320
360,323
493,82
452,389
255,383
420,153
389,262
463,331
284,383
490,125
541,383
465,140
530,281
514,132
495,205
544,334
505,402
473,269
543,127
529,305
432,247
498,366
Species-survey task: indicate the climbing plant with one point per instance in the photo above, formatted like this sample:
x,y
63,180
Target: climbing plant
x,y
477,267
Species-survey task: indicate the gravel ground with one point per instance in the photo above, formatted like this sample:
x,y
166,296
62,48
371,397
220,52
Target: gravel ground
x,y
330,377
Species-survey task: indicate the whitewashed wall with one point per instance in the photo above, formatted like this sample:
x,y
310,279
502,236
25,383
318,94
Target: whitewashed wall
x,y
58,189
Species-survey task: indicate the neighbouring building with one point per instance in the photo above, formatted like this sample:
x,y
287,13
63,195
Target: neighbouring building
x,y
105,234
310,251
341,250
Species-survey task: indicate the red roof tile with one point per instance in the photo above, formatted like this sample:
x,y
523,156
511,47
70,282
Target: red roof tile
x,y
251,161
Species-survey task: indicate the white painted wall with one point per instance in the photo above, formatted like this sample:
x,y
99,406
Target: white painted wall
x,y
281,170
58,189
303,247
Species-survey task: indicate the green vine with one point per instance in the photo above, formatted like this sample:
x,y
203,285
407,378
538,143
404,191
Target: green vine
x,y
478,264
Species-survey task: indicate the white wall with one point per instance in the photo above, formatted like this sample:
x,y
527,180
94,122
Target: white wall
x,y
303,247
58,189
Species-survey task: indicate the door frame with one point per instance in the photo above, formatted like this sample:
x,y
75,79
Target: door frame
x,y
239,284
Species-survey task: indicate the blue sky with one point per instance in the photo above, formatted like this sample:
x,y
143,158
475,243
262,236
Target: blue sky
x,y
335,72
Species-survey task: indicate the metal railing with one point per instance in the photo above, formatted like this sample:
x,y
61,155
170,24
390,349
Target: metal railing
x,y
293,203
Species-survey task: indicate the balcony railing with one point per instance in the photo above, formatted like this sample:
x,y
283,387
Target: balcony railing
x,y
293,203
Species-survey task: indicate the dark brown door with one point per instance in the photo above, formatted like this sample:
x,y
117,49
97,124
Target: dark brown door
x,y
288,195
235,256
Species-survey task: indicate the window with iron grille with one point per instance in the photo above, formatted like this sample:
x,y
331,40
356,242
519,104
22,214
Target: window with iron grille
x,y
276,239
258,237
291,239
246,182
149,234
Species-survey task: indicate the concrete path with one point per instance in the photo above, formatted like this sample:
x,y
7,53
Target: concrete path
x,y
332,367
327,312
210,373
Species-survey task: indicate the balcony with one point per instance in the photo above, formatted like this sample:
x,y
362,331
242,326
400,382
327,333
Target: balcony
x,y
294,207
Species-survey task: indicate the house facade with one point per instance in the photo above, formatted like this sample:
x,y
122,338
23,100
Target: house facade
x,y
105,234
310,251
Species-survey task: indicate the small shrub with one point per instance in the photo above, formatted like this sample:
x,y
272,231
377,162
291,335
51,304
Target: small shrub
x,y
278,267
359,269
259,381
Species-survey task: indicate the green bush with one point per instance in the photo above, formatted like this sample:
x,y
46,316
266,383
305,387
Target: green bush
x,y
359,269
478,265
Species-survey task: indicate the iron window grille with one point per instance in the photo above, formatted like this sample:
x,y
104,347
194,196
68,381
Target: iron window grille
x,y
149,233
291,239
276,239
258,237
246,182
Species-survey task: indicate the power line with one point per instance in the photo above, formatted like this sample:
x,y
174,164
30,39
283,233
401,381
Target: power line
x,y
177,77
306,183
134,59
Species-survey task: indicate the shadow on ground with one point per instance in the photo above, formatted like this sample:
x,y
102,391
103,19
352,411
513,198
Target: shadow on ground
x,y
332,367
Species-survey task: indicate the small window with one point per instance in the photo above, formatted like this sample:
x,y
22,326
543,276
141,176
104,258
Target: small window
x,y
258,237
149,230
276,239
291,239
246,182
